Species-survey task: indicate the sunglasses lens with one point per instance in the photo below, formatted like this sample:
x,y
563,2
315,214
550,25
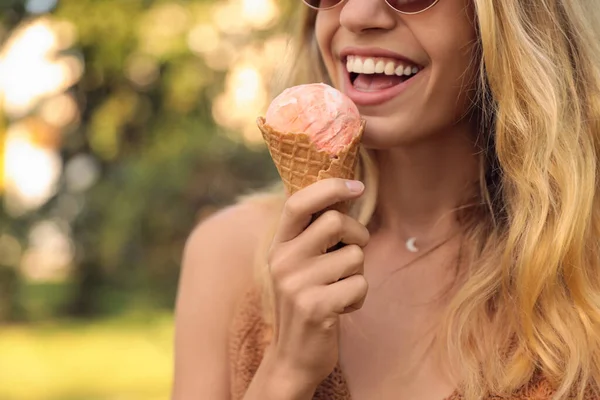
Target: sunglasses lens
x,y
410,6
322,4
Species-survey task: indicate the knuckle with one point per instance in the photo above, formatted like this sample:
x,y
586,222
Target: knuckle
x,y
278,262
287,287
334,185
334,220
329,324
292,206
355,254
273,261
308,307
362,285
341,187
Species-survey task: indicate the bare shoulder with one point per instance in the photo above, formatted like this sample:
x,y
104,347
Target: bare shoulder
x,y
217,269
231,236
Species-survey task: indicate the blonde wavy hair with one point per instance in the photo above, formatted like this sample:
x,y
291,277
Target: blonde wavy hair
x,y
529,302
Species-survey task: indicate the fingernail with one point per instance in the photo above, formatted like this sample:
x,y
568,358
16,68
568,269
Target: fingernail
x,y
355,186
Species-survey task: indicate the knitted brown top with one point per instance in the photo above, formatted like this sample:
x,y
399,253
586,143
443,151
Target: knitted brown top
x,y
250,336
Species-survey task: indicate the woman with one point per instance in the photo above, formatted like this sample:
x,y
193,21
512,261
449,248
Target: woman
x,y
472,261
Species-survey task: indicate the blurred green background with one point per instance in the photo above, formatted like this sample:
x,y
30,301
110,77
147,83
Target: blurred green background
x,y
123,123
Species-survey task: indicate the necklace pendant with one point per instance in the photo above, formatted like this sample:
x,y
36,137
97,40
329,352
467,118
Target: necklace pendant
x,y
410,245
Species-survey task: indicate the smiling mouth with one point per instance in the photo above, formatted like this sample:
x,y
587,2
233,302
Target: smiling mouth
x,y
372,74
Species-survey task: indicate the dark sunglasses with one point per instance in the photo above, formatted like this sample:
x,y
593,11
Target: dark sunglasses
x,y
401,6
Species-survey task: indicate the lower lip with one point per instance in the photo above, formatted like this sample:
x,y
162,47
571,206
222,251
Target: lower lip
x,y
377,97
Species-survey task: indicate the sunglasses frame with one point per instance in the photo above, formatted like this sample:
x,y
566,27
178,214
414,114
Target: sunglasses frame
x,y
386,1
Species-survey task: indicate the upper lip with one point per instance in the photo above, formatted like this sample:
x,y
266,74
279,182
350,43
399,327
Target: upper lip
x,y
374,52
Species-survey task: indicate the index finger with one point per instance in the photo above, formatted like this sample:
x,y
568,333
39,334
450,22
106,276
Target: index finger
x,y
301,206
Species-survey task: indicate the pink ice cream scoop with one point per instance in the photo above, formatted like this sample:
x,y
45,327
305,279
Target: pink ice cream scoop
x,y
329,118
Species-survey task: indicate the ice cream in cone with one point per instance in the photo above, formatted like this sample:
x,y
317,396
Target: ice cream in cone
x,y
313,132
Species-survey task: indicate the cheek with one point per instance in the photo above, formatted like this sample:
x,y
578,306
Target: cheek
x,y
325,28
455,67
454,64
453,46
450,36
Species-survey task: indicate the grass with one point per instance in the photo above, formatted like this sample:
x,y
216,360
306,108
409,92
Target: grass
x,y
114,359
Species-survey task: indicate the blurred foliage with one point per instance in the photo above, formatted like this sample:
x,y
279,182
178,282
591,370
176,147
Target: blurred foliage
x,y
164,162
146,119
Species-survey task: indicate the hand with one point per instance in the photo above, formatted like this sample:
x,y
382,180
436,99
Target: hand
x,y
313,287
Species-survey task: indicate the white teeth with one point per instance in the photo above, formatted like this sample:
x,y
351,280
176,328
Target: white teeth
x,y
358,66
368,66
389,68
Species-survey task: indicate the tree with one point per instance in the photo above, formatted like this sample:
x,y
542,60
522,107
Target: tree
x,y
146,127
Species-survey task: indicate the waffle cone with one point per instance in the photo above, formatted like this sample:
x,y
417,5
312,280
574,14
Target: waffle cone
x,y
300,163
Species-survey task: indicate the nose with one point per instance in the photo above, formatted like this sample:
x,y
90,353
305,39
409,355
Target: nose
x,y
360,16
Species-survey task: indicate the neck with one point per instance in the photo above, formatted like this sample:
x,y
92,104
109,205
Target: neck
x,y
422,185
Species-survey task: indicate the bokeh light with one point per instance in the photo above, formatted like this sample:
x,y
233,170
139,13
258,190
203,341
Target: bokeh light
x,y
248,87
60,110
81,172
142,70
243,100
259,14
162,27
50,252
111,119
31,171
31,69
203,39
40,6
